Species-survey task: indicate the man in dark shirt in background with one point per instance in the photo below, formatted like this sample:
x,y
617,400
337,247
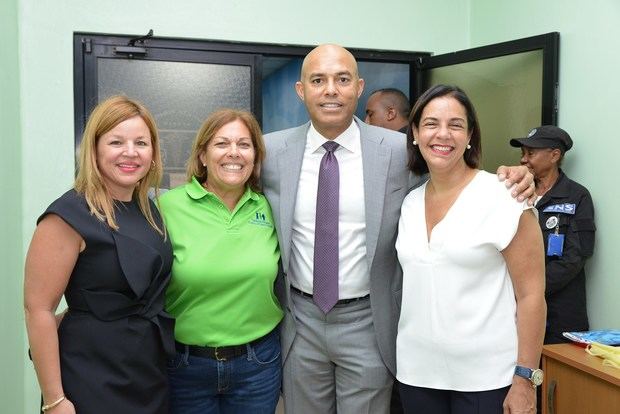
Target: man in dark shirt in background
x,y
388,108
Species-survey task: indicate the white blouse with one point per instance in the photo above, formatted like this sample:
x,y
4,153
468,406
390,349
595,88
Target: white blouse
x,y
457,328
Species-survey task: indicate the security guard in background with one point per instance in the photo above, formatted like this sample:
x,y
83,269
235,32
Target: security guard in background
x,y
566,217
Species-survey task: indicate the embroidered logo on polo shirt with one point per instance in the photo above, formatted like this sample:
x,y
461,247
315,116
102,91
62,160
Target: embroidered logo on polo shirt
x,y
260,219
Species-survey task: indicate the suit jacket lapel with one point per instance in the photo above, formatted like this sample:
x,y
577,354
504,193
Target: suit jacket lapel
x,y
376,161
290,159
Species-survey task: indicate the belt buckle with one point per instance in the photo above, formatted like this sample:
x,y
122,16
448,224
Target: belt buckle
x,y
217,357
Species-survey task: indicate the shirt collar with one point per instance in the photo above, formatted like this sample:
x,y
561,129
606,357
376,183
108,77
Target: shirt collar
x,y
196,191
349,139
561,188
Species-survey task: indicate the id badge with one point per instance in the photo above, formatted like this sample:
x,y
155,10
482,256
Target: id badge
x,y
555,244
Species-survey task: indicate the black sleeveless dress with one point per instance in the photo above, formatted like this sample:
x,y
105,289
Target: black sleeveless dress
x,y
115,338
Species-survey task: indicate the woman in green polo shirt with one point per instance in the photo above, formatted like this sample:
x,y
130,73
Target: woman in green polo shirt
x,y
225,265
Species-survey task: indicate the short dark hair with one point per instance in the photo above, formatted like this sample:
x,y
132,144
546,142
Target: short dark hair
x,y
417,164
396,98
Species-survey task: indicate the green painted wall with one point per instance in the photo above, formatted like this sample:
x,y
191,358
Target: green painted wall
x,y
46,70
12,331
588,110
37,69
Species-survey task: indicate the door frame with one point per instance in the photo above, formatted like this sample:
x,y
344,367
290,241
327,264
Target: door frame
x,y
549,43
88,47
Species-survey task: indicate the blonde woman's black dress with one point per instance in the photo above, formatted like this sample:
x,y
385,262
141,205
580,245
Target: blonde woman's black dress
x,y
115,337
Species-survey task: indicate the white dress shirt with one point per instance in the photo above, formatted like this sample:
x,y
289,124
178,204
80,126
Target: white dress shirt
x,y
353,275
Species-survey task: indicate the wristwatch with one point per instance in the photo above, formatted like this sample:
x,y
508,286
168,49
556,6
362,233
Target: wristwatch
x,y
534,375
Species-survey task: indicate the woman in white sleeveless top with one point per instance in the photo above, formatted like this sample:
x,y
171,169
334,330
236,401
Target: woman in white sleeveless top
x,y
473,309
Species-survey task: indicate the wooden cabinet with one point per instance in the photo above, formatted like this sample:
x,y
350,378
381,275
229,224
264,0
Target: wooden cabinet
x,y
578,383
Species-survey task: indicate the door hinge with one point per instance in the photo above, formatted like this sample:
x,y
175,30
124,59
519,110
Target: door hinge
x,y
87,45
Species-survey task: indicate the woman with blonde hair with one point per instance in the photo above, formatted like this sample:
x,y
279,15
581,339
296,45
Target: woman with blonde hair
x,y
225,266
103,246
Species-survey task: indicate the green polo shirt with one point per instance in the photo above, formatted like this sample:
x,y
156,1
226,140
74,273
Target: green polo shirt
x,y
225,265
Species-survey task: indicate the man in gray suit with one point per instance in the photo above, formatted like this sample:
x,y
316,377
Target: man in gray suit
x,y
339,358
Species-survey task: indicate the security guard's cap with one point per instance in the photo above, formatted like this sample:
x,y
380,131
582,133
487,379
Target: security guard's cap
x,y
546,136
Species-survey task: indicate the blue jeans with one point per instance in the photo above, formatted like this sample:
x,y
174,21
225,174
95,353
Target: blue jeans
x,y
246,384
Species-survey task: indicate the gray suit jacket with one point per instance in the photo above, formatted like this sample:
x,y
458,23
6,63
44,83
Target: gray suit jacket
x,y
386,182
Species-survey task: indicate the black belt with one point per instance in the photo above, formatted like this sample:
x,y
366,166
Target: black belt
x,y
220,353
340,302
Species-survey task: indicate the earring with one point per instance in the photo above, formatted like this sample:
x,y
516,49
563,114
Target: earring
x,y
204,165
468,146
415,142
153,163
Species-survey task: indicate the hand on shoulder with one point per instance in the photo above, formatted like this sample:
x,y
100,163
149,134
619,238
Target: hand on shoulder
x,y
522,180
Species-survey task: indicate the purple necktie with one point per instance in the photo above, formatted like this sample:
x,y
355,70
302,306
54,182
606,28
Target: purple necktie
x,y
325,292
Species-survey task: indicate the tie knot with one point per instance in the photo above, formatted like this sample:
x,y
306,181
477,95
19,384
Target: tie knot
x,y
330,146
